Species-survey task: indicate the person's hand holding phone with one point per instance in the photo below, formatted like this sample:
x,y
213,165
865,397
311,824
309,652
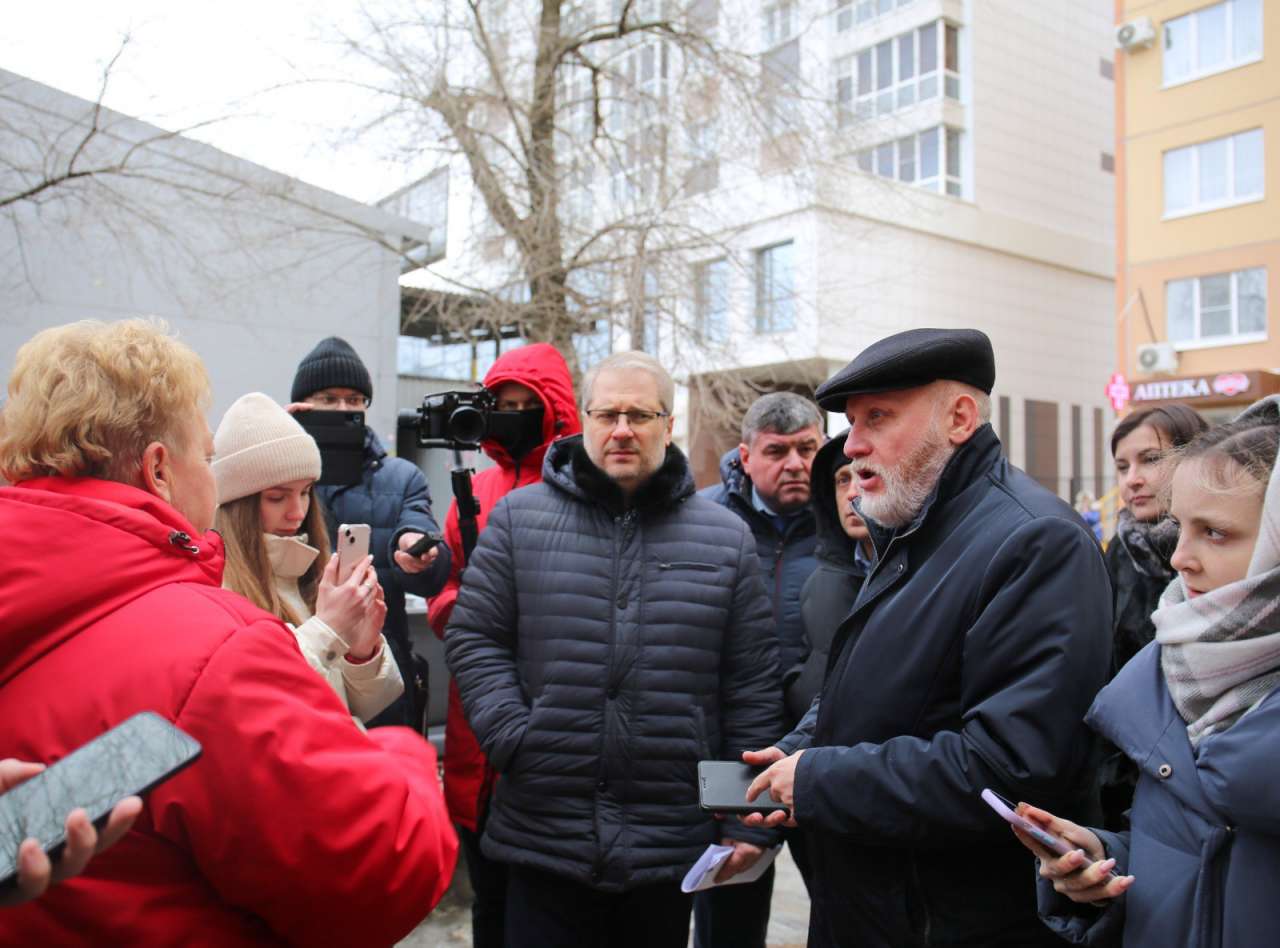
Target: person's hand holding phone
x,y
36,872
778,783
1082,875
410,562
347,607
368,638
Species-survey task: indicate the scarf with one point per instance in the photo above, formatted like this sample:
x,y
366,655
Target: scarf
x,y
1148,544
1220,652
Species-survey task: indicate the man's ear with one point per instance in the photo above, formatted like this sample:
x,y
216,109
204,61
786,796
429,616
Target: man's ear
x,y
157,471
744,455
963,418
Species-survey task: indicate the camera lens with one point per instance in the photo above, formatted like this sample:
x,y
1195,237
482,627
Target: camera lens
x,y
467,424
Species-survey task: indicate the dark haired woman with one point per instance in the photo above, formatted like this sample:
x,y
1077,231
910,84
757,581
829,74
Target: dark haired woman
x,y
1138,558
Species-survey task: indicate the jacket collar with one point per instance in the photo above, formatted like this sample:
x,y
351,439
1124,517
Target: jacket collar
x,y
971,462
568,468
1136,714
374,452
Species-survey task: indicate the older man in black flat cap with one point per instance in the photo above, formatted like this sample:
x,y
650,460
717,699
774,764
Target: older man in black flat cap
x,y
968,661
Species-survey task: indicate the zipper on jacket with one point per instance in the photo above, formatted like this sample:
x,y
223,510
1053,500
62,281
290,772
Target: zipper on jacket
x,y
622,527
183,541
924,902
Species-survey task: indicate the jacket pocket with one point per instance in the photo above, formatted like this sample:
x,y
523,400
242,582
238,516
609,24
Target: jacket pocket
x,y
683,564
513,761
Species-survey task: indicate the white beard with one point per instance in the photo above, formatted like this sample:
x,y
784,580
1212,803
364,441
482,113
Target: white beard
x,y
908,485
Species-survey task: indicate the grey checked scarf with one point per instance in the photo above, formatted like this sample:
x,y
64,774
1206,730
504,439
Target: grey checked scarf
x,y
1220,652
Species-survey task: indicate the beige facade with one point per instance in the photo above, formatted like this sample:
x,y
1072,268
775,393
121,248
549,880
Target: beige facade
x,y
1193,108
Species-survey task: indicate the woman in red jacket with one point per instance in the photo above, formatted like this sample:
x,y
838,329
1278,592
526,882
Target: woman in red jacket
x,y
293,826
535,379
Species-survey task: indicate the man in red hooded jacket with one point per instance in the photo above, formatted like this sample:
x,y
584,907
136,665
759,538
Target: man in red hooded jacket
x,y
293,827
535,380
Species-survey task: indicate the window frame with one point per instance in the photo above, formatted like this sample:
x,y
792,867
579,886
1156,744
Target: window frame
x,y
1203,207
902,92
767,300
948,181
1196,73
711,304
1236,337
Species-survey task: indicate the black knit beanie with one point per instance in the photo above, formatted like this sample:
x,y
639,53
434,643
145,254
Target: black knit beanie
x,y
331,364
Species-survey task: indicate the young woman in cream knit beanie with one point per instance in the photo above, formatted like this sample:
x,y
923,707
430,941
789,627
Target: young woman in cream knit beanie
x,y
265,465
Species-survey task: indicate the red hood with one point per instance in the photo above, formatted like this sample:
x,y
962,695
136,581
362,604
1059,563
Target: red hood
x,y
539,367
76,549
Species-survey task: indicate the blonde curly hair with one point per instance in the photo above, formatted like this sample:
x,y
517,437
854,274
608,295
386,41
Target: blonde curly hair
x,y
85,399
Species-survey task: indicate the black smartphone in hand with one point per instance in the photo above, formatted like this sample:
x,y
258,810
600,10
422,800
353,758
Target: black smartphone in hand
x,y
127,760
722,788
428,542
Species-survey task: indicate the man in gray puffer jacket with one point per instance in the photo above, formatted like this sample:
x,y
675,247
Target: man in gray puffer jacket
x,y
612,630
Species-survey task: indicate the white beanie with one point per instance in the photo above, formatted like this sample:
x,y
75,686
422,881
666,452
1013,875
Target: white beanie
x,y
259,445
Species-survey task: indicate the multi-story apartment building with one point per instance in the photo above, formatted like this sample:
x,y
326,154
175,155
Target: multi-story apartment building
x,y
963,177
1198,238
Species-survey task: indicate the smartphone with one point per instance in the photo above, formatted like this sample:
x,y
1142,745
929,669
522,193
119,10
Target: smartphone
x,y
722,788
353,546
1009,810
428,541
340,437
129,759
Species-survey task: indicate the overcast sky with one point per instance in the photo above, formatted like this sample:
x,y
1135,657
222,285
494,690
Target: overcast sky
x,y
191,62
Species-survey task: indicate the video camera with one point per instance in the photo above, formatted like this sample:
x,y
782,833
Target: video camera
x,y
457,420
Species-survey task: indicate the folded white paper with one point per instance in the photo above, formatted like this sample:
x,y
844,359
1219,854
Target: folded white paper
x,y
703,874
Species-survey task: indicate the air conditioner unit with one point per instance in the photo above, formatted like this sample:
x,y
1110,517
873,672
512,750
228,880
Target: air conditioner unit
x,y
1136,33
1158,357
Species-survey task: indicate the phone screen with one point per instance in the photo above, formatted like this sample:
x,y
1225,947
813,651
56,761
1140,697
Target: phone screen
x,y
722,788
131,758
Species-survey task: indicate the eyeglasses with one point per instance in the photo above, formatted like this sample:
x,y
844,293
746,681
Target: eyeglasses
x,y
636,418
325,400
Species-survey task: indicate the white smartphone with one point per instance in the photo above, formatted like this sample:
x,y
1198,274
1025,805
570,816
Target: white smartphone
x,y
353,546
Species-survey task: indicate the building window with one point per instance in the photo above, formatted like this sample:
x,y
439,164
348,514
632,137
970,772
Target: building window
x,y
711,300
898,73
1211,40
928,159
779,23
1222,309
1106,69
704,164
775,288
652,316
844,15
1213,174
849,12
1108,162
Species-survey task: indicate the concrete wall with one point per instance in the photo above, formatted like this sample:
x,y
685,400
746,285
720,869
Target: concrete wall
x,y
250,268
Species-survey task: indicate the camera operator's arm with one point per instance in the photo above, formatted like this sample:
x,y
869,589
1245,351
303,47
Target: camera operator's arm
x,y
440,608
423,575
35,870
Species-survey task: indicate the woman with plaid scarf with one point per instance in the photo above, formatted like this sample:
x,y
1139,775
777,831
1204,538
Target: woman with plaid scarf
x,y
1198,711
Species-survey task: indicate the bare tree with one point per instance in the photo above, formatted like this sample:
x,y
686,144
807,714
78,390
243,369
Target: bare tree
x,y
591,133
